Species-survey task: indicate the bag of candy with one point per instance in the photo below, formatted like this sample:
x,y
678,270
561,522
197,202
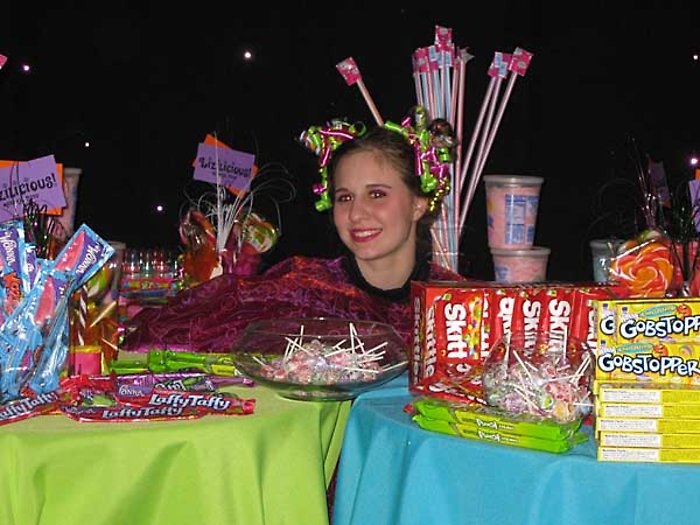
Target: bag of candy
x,y
542,374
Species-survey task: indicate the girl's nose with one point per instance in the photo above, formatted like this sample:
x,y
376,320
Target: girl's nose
x,y
358,210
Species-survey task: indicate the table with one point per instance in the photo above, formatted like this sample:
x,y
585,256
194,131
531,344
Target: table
x,y
393,472
271,467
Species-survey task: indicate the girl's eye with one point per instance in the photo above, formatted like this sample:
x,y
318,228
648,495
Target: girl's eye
x,y
343,197
377,194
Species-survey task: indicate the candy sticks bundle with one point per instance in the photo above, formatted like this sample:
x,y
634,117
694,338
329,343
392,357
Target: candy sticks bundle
x,y
433,67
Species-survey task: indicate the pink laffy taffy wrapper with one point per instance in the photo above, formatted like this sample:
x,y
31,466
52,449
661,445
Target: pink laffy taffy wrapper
x,y
540,374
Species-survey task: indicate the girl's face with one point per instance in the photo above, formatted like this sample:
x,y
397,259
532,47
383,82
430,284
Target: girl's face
x,y
374,211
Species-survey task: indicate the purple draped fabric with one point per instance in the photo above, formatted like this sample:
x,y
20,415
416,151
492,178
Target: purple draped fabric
x,y
209,317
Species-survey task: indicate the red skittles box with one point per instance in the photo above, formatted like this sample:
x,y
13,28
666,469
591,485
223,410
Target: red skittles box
x,y
456,323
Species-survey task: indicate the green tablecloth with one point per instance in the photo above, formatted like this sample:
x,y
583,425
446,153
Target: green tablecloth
x,y
271,467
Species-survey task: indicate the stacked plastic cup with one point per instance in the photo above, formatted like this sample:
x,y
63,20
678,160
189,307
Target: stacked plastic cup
x,y
512,203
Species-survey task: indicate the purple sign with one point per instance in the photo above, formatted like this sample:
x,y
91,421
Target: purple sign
x,y
36,181
235,168
694,186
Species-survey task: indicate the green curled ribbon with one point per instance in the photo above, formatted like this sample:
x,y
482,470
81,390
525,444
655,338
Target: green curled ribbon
x,y
323,141
432,156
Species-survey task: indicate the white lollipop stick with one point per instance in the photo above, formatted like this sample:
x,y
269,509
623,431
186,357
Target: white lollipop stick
x,y
351,73
518,65
498,70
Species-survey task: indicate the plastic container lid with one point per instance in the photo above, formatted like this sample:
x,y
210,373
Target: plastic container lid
x,y
535,251
513,180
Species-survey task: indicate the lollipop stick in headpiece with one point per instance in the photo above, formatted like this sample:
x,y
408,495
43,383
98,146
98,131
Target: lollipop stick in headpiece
x,y
351,73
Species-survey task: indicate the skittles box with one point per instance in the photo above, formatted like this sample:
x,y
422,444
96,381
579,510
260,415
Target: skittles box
x,y
648,340
457,323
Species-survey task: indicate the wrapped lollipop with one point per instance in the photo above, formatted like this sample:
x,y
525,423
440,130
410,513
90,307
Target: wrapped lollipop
x,y
546,376
644,265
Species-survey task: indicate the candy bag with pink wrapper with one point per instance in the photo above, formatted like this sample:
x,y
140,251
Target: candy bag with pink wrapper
x,y
23,333
14,279
51,353
82,256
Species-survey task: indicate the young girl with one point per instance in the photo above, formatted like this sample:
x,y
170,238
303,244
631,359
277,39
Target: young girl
x,y
383,219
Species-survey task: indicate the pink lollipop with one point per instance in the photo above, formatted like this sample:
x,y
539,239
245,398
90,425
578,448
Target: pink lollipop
x,y
351,73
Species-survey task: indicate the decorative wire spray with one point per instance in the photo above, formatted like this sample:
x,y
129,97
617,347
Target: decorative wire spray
x,y
649,195
42,230
229,214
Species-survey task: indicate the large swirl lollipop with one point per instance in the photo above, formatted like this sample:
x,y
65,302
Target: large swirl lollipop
x,y
644,265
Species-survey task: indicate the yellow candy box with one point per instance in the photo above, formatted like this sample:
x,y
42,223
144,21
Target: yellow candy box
x,y
651,340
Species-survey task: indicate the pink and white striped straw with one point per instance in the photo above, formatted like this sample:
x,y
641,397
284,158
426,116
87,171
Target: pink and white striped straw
x,y
517,66
351,73
472,143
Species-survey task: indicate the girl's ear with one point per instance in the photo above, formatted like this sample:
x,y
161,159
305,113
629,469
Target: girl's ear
x,y
420,206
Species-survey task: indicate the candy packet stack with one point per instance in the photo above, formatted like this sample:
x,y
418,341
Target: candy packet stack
x,y
485,423
34,336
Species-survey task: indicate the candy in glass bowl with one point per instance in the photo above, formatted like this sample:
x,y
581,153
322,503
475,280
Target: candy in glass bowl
x,y
320,358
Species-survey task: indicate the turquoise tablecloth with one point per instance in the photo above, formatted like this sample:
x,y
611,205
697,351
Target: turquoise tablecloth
x,y
271,467
392,472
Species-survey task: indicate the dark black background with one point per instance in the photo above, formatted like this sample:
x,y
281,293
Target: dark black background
x,y
143,82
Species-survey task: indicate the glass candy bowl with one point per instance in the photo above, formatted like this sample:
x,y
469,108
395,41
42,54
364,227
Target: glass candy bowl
x,y
320,358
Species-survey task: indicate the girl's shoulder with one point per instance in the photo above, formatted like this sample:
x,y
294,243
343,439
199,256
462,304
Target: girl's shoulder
x,y
440,273
314,266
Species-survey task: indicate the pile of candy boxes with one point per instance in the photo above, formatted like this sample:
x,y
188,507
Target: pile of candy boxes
x,y
644,378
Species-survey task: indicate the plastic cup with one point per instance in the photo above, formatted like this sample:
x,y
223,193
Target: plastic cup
x,y
511,210
520,266
71,180
602,251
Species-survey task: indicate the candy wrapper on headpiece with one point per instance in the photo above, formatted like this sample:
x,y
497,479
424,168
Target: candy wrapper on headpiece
x,y
433,149
540,374
323,141
432,144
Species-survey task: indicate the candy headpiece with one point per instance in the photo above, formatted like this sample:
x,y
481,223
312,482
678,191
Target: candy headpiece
x,y
432,146
323,141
